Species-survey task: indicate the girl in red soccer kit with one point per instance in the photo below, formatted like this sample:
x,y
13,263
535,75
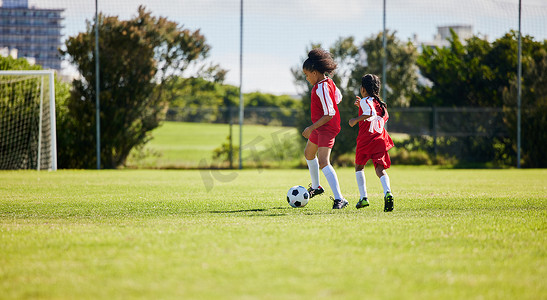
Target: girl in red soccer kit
x,y
373,141
325,97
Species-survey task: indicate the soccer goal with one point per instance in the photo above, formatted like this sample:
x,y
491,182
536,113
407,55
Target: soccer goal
x,y
27,120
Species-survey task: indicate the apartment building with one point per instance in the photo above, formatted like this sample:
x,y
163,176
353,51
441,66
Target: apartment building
x,y
35,33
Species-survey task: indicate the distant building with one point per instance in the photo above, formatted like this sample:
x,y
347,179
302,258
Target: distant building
x,y
34,33
440,39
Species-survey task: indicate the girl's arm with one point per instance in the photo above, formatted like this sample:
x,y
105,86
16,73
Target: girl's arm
x,y
324,119
360,118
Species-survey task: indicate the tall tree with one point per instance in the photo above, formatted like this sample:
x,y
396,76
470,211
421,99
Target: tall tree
x,y
137,56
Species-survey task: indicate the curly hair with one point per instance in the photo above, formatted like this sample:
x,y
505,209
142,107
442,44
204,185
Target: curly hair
x,y
319,60
371,83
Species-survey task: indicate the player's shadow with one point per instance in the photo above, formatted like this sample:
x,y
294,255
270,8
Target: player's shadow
x,y
250,210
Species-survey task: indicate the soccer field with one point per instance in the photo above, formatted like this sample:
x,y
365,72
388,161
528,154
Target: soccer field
x,y
221,234
186,145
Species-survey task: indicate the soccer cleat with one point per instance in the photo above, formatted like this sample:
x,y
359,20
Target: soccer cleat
x,y
362,203
314,192
388,202
339,203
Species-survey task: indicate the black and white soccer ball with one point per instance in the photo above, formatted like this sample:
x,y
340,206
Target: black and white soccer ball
x,y
298,196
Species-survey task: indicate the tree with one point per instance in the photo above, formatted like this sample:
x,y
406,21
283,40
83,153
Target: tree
x,y
137,57
533,103
401,70
461,75
483,74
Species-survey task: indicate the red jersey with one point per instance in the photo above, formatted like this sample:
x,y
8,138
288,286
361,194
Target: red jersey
x,y
372,137
325,97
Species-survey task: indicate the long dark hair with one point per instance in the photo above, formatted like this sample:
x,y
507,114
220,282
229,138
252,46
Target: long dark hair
x,y
371,83
319,60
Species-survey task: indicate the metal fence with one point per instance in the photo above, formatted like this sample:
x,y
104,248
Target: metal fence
x,y
252,115
416,121
448,121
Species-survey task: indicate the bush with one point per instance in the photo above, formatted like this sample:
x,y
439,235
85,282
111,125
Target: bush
x,y
404,157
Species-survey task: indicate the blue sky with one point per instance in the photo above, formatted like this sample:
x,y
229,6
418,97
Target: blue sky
x,y
277,33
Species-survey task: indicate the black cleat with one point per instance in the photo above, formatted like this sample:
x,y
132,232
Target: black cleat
x,y
362,203
388,202
339,203
314,192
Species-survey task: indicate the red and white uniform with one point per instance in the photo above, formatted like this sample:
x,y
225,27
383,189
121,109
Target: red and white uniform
x,y
325,97
373,141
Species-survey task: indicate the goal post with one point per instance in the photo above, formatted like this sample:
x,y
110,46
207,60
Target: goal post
x,y
28,138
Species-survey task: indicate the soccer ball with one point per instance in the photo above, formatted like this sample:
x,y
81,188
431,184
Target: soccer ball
x,y
298,196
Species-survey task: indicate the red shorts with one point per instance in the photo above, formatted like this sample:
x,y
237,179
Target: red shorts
x,y
323,138
379,159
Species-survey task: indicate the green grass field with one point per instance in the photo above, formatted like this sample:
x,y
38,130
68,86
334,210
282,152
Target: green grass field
x,y
209,234
185,145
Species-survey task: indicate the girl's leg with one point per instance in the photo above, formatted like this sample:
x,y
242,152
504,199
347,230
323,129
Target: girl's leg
x,y
384,178
313,165
323,155
361,181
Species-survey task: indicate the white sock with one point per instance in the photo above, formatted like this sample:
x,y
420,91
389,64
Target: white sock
x,y
385,184
361,184
330,174
313,165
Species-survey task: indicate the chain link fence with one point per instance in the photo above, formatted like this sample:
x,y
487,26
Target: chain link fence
x,y
468,134
415,121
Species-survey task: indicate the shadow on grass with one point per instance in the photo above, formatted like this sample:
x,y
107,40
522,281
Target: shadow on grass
x,y
248,210
273,212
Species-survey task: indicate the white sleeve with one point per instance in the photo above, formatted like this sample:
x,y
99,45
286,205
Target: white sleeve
x,y
365,106
326,101
338,96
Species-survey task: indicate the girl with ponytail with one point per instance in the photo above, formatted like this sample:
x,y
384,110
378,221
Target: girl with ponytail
x,y
373,141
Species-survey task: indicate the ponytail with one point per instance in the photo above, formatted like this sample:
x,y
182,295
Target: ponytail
x,y
382,104
371,84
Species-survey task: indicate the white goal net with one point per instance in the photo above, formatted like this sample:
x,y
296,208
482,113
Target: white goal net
x,y
27,120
